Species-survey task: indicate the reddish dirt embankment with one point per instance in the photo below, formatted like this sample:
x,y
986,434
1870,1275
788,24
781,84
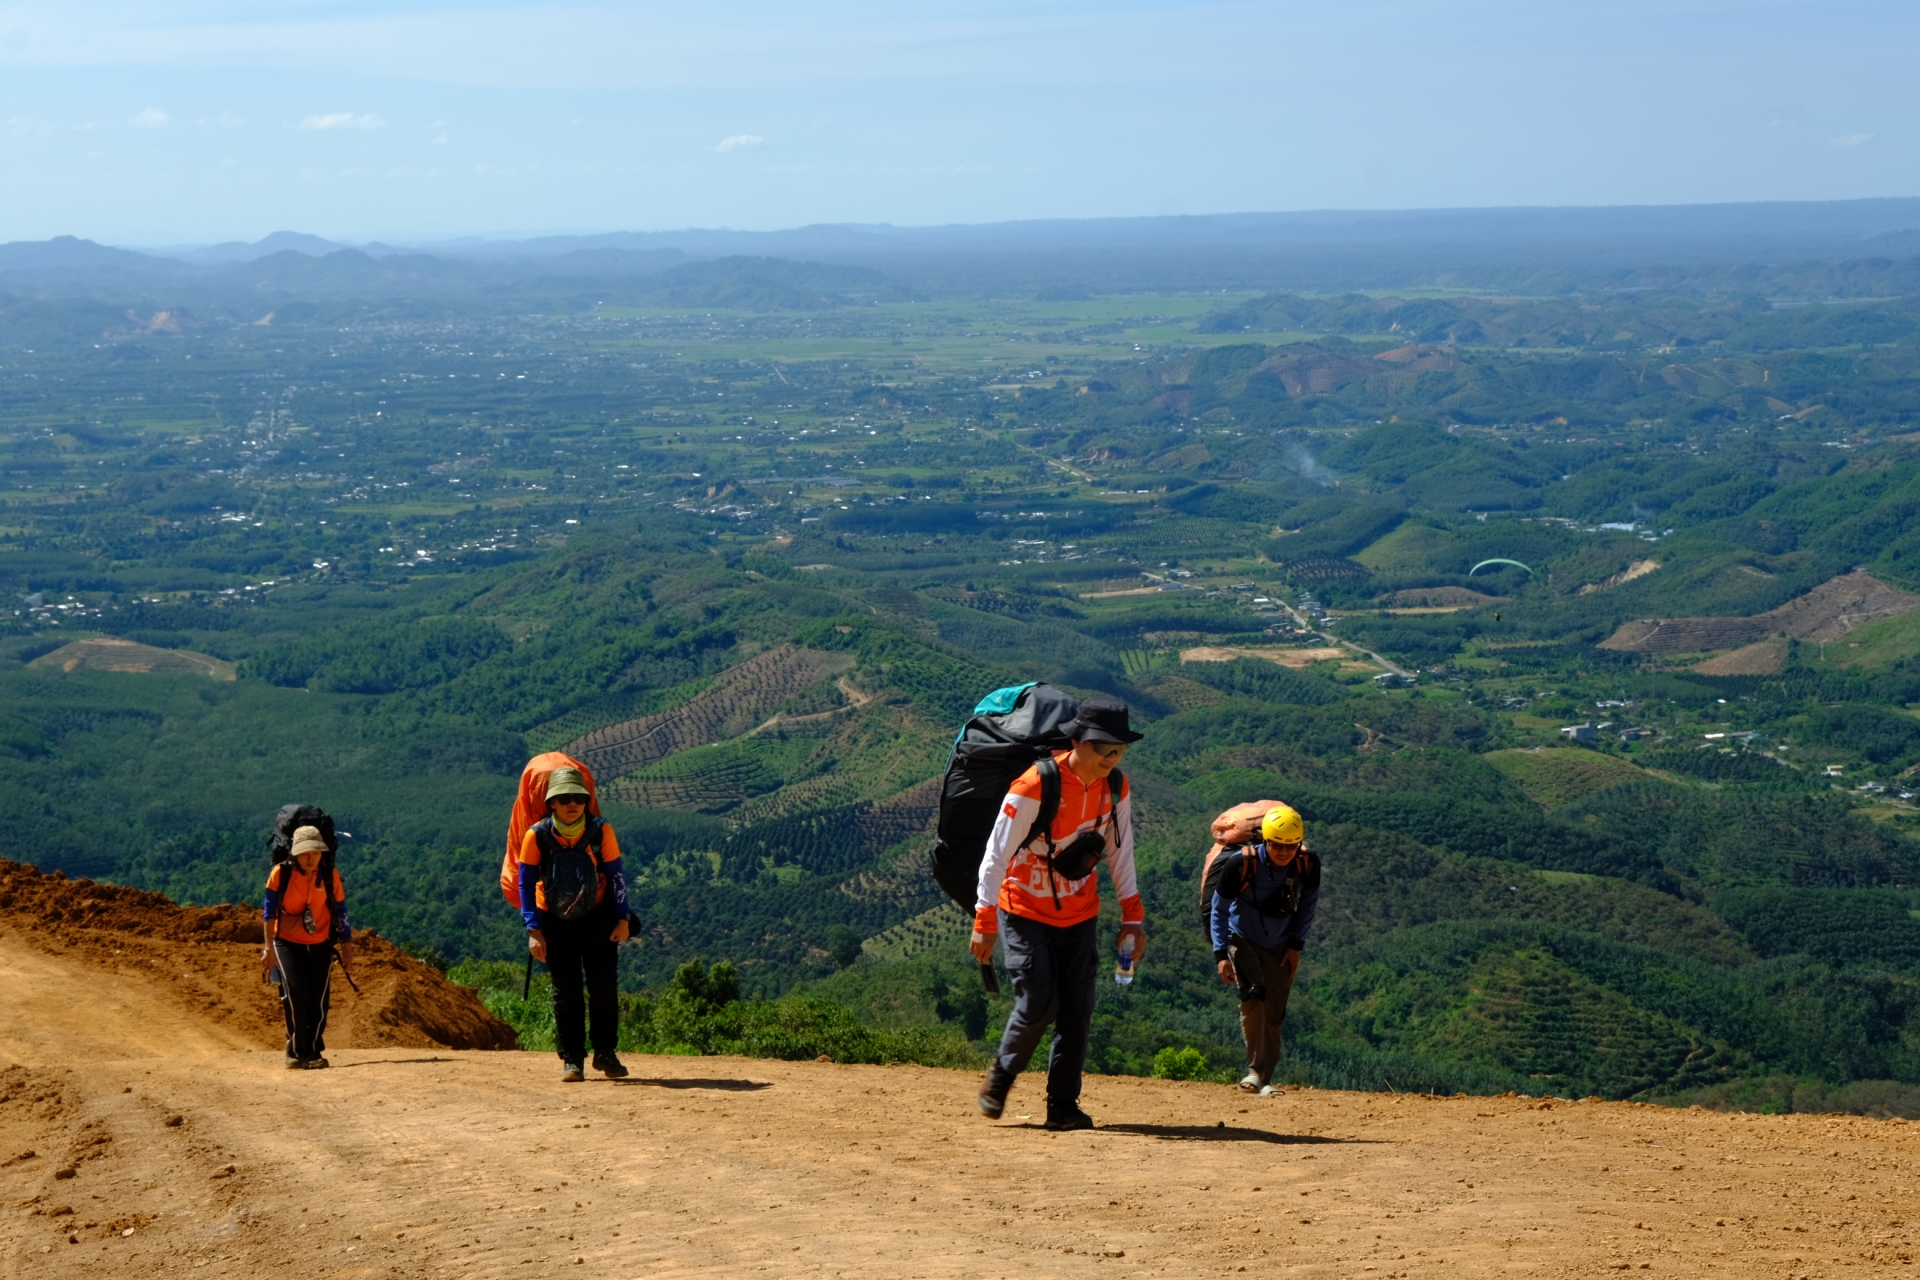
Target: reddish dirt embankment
x,y
101,970
1827,612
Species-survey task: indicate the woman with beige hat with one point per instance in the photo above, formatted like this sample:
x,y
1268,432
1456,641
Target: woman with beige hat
x,y
306,918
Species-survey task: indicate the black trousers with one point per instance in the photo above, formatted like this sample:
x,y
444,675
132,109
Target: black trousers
x,y
1054,969
581,950
306,972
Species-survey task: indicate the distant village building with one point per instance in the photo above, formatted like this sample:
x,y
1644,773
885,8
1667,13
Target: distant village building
x,y
1581,732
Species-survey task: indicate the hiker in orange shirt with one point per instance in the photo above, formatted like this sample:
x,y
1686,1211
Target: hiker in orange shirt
x,y
1039,891
306,918
573,898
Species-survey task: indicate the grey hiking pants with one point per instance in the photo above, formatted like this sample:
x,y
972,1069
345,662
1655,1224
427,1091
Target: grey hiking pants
x,y
1054,969
1262,1019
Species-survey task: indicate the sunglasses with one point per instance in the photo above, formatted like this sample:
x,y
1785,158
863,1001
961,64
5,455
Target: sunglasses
x,y
570,802
1107,750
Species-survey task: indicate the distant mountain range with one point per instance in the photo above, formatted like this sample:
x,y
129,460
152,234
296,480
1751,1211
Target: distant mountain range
x,y
1687,248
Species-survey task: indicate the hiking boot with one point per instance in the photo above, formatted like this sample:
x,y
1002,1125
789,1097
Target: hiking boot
x,y
993,1092
573,1074
1251,1082
316,1064
609,1065
1067,1118
294,1064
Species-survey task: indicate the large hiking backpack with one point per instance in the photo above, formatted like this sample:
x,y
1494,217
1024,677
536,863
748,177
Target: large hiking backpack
x,y
289,820
1227,874
1233,829
530,806
1011,730
569,874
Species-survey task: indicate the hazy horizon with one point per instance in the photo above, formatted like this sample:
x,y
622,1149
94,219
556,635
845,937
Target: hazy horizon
x,y
195,122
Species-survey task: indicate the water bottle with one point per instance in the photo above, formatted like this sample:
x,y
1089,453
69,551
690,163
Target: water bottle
x,y
1123,967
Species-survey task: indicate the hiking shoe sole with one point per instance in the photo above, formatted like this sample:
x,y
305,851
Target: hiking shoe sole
x,y
1077,1119
991,1107
295,1064
612,1068
317,1064
574,1074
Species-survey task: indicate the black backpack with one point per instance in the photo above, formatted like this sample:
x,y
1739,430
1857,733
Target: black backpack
x,y
1011,730
569,874
290,819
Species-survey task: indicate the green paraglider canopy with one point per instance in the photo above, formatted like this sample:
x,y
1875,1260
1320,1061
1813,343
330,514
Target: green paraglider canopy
x,y
1515,563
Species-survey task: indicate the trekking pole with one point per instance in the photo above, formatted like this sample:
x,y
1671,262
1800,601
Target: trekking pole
x,y
526,987
347,973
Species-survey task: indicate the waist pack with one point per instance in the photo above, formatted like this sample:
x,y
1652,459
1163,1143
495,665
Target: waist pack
x,y
569,874
1087,850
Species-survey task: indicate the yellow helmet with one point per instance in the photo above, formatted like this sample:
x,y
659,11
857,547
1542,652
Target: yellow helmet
x,y
1282,825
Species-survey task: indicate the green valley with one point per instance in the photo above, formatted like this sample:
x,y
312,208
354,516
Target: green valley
x,y
1582,629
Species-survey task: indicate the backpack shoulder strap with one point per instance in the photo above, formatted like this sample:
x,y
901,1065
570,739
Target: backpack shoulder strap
x,y
1116,784
1049,798
1237,875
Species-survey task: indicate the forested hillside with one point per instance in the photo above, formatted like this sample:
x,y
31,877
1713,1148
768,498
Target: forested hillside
x,y
754,562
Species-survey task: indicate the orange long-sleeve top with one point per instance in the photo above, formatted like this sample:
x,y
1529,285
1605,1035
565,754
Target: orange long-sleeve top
x,y
1014,875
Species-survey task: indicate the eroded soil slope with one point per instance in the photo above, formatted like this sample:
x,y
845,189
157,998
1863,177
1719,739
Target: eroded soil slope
x,y
97,970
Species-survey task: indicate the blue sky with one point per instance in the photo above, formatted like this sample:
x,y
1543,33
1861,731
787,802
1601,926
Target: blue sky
x,y
191,121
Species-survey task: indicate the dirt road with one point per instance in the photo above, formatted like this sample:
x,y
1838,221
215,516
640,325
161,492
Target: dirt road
x,y
134,1140
406,1163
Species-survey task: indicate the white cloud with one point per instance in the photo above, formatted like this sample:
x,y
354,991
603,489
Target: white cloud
x,y
151,118
740,142
1847,141
343,120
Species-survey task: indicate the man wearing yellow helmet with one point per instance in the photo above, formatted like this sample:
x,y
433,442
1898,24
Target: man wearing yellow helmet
x,y
1261,912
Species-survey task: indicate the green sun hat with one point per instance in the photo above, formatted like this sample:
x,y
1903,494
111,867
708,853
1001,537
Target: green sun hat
x,y
566,781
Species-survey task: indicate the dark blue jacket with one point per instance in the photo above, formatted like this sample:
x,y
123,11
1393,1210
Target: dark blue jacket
x,y
1241,916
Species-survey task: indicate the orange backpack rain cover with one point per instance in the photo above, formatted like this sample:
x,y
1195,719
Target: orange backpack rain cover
x,y
530,806
1236,826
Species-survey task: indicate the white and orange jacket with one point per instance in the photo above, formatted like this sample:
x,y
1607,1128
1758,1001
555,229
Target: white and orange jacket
x,y
1014,876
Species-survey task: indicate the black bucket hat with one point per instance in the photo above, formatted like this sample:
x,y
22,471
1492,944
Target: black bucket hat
x,y
1101,720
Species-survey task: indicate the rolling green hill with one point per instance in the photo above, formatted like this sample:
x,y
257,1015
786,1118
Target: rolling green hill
x,y
756,572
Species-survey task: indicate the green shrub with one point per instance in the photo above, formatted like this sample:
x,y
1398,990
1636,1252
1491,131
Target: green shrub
x,y
1181,1064
700,1013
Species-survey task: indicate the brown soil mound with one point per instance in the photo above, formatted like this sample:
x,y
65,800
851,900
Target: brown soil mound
x,y
1298,659
124,655
1437,598
89,969
481,1165
1418,359
1764,658
1827,612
